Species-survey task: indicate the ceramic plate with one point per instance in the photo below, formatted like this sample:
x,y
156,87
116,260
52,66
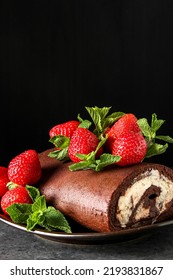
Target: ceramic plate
x,y
83,236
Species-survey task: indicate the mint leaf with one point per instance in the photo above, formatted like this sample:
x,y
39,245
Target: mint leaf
x,y
19,213
98,115
54,219
39,204
84,123
60,141
60,154
155,123
81,165
33,192
146,129
150,134
149,131
165,138
36,218
105,160
156,149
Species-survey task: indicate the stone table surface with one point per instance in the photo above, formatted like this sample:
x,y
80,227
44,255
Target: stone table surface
x,y
16,244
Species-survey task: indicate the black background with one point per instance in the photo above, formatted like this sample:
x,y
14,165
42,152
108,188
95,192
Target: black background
x,y
58,56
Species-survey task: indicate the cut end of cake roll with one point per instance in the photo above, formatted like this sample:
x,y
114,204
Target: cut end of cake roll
x,y
115,199
147,196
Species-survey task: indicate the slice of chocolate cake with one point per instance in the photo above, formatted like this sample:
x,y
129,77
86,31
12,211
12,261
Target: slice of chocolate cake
x,y
114,199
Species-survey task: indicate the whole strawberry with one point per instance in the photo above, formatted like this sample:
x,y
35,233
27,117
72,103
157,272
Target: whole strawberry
x,y
127,122
131,147
18,194
3,180
25,168
65,129
83,141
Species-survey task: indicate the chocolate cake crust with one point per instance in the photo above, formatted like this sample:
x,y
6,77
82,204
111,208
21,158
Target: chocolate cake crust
x,y
114,199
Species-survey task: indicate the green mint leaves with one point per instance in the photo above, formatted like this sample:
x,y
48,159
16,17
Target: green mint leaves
x,y
38,214
61,143
150,134
101,119
89,162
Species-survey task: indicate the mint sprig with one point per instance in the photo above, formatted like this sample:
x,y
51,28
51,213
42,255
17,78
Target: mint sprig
x,y
61,143
150,133
38,213
101,119
90,162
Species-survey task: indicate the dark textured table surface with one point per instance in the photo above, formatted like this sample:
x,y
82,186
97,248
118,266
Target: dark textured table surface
x,y
16,244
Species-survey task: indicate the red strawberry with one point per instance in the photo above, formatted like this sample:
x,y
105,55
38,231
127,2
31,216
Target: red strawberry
x,y
3,180
83,141
18,194
127,122
65,129
131,147
25,168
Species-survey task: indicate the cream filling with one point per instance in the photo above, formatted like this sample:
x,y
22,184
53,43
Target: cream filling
x,y
132,196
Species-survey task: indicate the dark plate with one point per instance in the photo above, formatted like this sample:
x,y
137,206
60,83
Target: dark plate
x,y
84,236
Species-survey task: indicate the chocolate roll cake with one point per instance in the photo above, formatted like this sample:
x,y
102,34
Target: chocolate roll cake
x,y
114,199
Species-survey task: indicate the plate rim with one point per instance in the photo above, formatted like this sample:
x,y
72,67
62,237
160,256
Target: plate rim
x,y
88,237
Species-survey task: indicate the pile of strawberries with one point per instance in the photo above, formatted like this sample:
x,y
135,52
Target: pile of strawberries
x,y
24,169
124,139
